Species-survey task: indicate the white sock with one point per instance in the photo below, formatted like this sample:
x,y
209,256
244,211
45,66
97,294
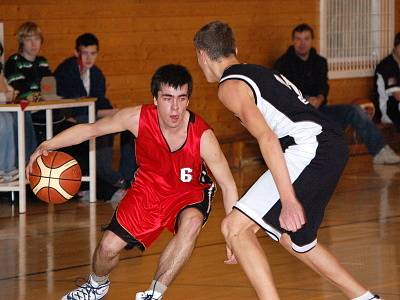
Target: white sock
x,y
367,296
98,279
158,287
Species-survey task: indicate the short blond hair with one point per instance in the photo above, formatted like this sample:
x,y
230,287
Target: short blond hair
x,y
28,29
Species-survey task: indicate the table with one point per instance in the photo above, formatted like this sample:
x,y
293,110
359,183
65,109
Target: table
x,y
49,105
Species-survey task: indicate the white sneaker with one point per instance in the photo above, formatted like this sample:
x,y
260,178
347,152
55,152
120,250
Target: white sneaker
x,y
148,295
386,157
118,195
90,290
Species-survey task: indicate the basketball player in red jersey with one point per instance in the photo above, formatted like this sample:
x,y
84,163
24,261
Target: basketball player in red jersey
x,y
171,188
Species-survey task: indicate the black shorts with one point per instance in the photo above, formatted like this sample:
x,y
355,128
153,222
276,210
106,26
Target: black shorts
x,y
314,174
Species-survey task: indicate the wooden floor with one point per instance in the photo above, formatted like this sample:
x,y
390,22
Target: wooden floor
x,y
43,252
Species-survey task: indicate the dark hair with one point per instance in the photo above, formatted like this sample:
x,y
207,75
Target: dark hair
x,y
86,39
301,28
172,75
216,39
396,40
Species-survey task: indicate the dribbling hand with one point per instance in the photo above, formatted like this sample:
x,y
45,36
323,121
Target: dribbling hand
x,y
41,150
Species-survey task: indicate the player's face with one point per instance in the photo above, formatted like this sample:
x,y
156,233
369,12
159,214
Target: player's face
x,y
87,55
171,105
302,43
31,45
204,66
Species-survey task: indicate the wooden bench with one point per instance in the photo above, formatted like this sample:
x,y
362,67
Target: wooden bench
x,y
240,149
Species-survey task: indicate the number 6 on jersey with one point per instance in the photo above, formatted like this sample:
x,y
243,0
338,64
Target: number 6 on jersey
x,y
186,175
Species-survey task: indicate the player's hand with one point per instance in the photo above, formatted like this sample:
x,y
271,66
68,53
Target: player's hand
x,y
231,259
41,150
292,216
314,101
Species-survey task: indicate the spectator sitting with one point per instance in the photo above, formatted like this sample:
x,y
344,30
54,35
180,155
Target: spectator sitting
x,y
78,76
387,86
308,71
8,170
24,71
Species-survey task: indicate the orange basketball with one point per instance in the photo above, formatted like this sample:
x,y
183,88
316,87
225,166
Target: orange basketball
x,y
55,178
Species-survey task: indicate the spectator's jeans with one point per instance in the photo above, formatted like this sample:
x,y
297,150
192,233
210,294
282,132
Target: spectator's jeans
x,y
30,136
353,116
7,144
104,154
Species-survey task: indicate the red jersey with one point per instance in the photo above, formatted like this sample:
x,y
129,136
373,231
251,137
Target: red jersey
x,y
166,181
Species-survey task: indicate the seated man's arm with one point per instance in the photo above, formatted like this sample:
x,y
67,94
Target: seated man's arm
x,y
15,78
321,84
396,95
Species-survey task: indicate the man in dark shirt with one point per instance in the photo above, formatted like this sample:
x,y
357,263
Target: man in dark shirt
x,y
309,72
77,77
387,86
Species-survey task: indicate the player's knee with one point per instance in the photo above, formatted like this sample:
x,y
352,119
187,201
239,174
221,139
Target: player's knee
x,y
190,225
106,250
232,229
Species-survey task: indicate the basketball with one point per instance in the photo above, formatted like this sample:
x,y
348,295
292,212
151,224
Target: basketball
x,y
55,178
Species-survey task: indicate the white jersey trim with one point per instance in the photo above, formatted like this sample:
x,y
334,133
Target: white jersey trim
x,y
393,89
303,132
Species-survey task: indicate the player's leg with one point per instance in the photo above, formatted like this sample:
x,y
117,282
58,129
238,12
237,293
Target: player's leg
x,y
105,258
176,253
326,264
239,232
106,255
314,188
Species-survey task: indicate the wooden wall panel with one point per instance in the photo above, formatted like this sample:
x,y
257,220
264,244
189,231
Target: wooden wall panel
x,y
138,36
397,9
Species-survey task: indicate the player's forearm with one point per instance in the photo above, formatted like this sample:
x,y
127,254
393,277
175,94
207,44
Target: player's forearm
x,y
72,136
274,158
229,196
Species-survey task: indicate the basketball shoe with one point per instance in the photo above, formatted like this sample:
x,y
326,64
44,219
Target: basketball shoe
x,y
148,295
90,290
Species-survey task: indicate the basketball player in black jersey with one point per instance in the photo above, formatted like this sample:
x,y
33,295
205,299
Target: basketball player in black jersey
x,y
289,200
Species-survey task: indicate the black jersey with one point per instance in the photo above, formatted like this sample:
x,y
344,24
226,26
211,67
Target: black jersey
x,y
281,103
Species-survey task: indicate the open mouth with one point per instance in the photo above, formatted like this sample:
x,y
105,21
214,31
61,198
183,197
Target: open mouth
x,y
174,117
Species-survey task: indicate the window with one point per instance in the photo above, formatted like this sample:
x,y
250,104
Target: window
x,y
355,35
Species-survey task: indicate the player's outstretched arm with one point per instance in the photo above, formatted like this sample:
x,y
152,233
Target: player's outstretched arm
x,y
124,119
213,156
238,98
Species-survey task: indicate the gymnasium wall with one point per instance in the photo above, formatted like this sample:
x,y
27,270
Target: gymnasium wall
x,y
138,36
